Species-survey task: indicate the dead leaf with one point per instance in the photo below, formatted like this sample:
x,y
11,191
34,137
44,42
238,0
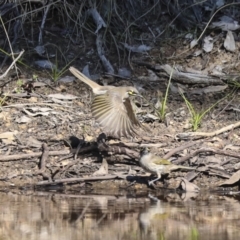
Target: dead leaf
x,y
137,48
131,172
191,175
208,44
193,43
45,64
226,24
229,42
8,137
31,141
23,119
188,186
232,180
103,170
150,116
197,53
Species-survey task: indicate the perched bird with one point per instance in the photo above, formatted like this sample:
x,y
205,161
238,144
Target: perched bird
x,y
112,107
156,165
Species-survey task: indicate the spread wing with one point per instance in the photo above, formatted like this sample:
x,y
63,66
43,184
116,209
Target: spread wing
x,y
116,117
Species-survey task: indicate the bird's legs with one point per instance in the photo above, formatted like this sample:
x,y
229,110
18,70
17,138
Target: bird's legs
x,y
154,180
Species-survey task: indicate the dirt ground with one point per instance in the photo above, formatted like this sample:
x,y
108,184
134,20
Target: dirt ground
x,y
43,122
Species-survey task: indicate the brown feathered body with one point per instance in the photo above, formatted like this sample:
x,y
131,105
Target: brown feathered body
x,y
112,107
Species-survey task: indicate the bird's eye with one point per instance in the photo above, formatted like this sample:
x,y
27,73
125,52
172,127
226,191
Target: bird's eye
x,y
131,92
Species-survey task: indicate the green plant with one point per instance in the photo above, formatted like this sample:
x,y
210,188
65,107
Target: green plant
x,y
19,86
3,99
34,77
197,116
162,110
194,234
234,84
56,74
161,236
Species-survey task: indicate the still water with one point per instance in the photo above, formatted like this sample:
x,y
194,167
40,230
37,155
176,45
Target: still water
x,y
42,215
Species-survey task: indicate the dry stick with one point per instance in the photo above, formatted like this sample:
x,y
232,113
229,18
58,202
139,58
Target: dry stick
x,y
180,148
42,169
16,157
22,95
212,150
75,180
46,10
15,60
142,145
45,155
13,42
208,134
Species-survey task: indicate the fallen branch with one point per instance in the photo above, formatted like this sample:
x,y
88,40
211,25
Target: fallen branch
x,y
190,135
16,157
42,165
210,150
180,148
74,180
